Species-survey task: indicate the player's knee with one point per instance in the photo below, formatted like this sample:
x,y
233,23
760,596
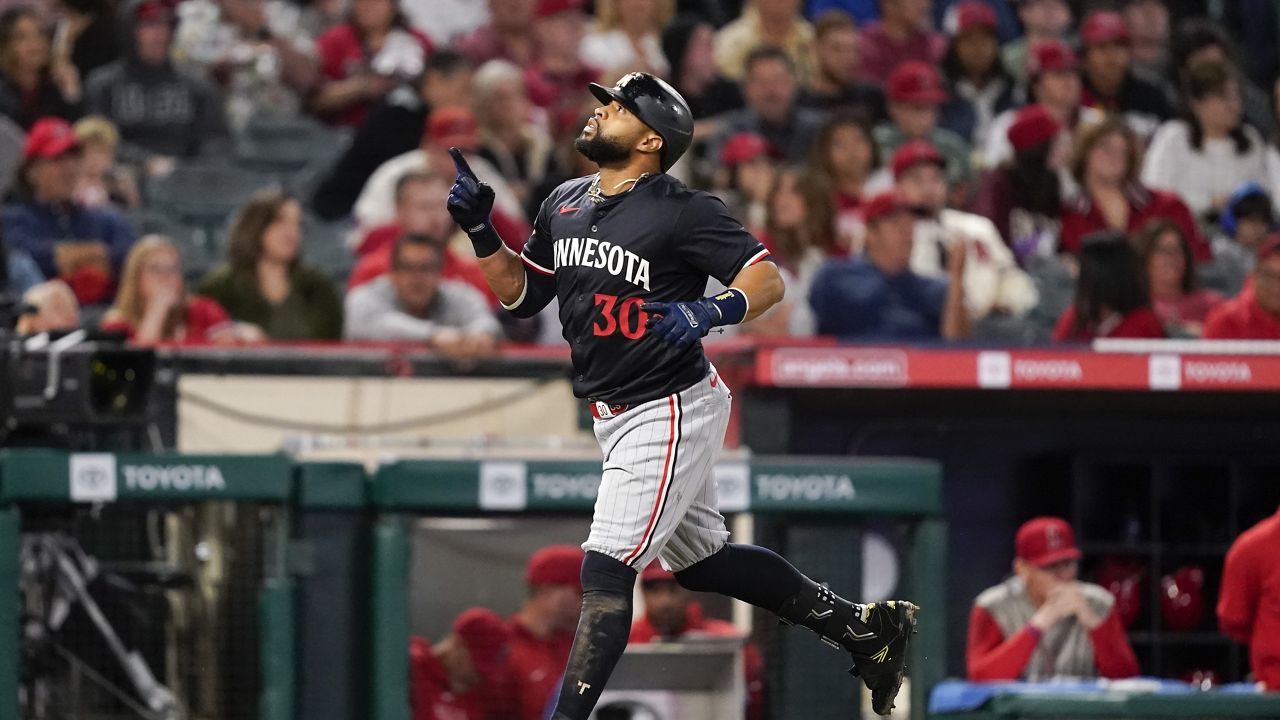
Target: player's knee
x,y
700,576
601,573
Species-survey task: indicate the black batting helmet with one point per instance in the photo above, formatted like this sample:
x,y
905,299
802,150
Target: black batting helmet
x,y
659,106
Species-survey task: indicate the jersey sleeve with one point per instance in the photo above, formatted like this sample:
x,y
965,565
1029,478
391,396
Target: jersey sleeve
x,y
713,241
539,269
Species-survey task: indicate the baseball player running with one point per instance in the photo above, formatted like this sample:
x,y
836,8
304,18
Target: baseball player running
x,y
627,252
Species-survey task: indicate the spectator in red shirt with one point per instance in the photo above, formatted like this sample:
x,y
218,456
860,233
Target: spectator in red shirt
x,y
1180,304
418,212
1254,314
542,629
508,36
1249,602
671,615
556,78
153,305
1106,165
1112,299
363,59
903,33
1043,623
452,679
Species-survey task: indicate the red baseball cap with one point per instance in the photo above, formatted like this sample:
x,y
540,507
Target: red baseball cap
x,y
882,206
49,138
1269,246
1104,26
487,639
1044,541
1033,125
972,15
547,8
452,127
1053,55
654,572
742,147
555,565
154,11
913,153
916,83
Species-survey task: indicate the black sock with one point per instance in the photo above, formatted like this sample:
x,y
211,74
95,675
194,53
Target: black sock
x,y
603,629
750,573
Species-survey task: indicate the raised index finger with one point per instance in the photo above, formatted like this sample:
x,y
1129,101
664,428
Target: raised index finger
x,y
460,163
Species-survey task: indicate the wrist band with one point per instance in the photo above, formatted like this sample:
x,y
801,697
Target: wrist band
x,y
731,307
484,239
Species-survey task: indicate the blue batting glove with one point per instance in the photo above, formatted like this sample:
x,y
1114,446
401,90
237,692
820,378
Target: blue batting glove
x,y
681,323
470,201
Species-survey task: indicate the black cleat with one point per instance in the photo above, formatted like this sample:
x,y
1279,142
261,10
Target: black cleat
x,y
881,659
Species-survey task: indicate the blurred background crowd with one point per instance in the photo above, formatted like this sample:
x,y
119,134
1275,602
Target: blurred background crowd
x,y
1007,171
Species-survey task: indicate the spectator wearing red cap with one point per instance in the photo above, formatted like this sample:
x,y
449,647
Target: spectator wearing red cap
x,y
995,288
1253,314
904,33
749,164
1104,165
454,679
1023,195
542,630
1052,71
1112,297
364,58
557,76
507,36
765,22
834,84
394,126
846,158
161,113
1204,158
915,93
83,245
672,615
446,127
876,297
1180,303
1042,20
1043,623
626,37
980,86
772,112
32,84
1110,82
1249,602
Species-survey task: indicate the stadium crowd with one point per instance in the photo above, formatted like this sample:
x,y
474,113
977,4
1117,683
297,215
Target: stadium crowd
x,y
1009,171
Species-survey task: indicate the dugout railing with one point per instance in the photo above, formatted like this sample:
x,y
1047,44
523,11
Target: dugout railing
x,y
831,496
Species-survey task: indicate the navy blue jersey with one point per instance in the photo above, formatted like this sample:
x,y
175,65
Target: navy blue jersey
x,y
659,242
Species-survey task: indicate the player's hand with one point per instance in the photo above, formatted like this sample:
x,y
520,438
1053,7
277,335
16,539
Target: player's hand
x,y
470,201
680,323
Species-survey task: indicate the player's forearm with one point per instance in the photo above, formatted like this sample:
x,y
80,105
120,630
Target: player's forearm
x,y
505,274
763,286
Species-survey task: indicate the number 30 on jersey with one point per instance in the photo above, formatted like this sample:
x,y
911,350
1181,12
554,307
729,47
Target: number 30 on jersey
x,y
625,317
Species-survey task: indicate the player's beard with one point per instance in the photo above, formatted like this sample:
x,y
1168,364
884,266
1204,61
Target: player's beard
x,y
601,150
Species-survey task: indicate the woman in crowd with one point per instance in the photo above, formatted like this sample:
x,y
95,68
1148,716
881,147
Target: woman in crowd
x,y
1180,304
1205,157
153,305
32,85
627,37
509,138
800,225
980,86
749,168
1198,40
846,157
264,281
363,58
1023,197
1111,300
1105,166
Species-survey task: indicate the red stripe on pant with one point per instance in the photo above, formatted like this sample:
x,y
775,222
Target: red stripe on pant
x,y
657,502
